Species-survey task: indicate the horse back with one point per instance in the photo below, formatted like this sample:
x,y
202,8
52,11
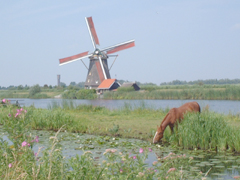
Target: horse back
x,y
176,114
189,107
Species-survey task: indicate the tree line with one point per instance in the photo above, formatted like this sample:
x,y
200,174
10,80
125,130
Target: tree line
x,y
201,82
175,82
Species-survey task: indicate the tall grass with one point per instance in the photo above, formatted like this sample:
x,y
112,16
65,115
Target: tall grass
x,y
207,131
207,92
48,119
12,94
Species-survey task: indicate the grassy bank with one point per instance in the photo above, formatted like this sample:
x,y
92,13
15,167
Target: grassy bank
x,y
45,93
208,130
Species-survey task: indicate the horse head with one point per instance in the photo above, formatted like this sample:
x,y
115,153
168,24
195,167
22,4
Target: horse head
x,y
158,135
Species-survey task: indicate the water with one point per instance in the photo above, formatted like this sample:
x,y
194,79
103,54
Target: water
x,y
222,165
219,106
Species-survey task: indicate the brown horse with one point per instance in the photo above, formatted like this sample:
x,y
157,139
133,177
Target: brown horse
x,y
174,115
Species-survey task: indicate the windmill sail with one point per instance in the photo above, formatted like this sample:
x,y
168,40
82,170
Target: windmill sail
x,y
119,47
73,58
92,31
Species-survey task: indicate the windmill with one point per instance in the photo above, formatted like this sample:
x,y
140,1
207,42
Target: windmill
x,y
98,69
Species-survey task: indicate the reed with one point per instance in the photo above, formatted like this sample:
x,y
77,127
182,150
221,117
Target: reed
x,y
207,131
207,92
48,119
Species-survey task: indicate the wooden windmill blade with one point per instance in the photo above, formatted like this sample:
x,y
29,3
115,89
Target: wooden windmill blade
x,y
95,41
92,31
120,47
74,58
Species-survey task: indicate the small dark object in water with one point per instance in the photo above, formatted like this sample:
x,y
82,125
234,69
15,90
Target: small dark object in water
x,y
17,103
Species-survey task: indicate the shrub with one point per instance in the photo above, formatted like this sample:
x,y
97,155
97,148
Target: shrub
x,y
34,90
126,89
80,94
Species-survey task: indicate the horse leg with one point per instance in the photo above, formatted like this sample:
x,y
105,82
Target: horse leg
x,y
171,127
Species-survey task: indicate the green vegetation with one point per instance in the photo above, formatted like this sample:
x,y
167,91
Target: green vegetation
x,y
207,131
75,93
18,161
207,92
35,91
201,82
125,89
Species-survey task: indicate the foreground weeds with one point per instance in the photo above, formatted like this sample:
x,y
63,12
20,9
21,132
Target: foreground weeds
x,y
18,160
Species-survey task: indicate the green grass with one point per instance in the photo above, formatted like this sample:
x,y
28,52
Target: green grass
x,y
45,93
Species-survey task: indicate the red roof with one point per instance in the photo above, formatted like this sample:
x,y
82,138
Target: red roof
x,y
106,84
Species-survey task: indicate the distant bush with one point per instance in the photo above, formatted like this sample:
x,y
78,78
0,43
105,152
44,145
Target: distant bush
x,y
80,94
149,88
202,82
86,94
126,89
40,96
34,90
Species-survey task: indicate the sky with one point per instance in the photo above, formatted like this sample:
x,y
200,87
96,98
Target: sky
x,y
174,40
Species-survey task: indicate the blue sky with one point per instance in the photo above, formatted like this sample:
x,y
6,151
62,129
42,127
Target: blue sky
x,y
183,40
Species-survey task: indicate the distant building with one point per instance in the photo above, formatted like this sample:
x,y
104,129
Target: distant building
x,y
108,85
58,80
131,84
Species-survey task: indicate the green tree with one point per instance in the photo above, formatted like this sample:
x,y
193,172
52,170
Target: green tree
x,y
72,84
62,84
20,87
34,90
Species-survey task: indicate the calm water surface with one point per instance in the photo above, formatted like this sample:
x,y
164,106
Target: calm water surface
x,y
220,106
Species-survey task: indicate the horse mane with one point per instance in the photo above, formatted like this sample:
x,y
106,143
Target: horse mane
x,y
164,120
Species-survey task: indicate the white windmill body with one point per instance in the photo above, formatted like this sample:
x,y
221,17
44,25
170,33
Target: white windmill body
x,y
98,69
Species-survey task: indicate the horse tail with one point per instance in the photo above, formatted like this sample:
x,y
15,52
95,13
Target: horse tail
x,y
199,108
